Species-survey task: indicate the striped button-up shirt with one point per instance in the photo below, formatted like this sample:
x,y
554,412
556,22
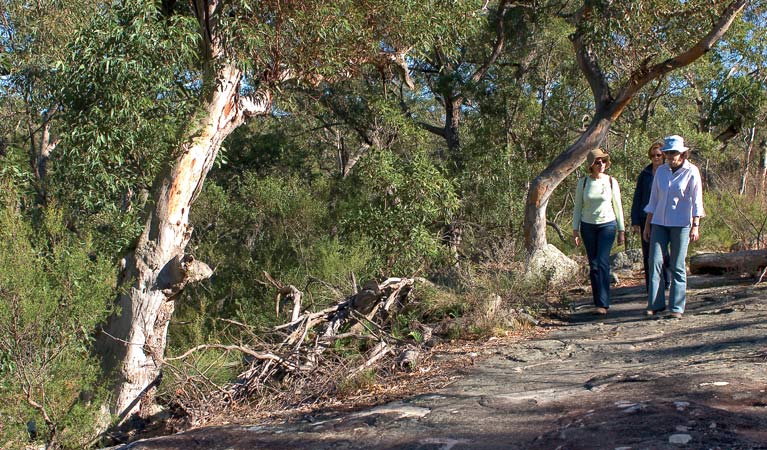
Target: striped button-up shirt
x,y
676,197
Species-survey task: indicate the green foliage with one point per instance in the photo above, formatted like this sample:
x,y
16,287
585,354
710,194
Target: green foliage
x,y
735,224
34,38
274,224
436,304
624,34
125,90
54,294
404,199
14,170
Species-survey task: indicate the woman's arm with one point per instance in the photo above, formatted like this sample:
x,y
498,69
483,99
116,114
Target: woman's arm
x,y
618,210
697,205
577,210
695,229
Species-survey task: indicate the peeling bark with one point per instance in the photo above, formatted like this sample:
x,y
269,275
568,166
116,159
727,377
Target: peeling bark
x,y
133,342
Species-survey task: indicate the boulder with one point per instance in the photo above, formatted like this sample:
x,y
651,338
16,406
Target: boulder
x,y
626,260
551,266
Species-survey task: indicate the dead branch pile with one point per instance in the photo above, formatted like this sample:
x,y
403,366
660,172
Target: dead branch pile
x,y
292,364
363,315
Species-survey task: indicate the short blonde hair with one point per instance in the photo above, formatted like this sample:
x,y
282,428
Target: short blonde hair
x,y
655,146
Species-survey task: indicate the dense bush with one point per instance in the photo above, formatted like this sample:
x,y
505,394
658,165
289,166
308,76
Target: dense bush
x,y
53,295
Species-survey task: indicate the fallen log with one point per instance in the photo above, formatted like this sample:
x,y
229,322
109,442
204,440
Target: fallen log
x,y
746,261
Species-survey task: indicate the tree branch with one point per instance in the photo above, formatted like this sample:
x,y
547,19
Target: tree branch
x,y
644,75
240,348
587,61
500,39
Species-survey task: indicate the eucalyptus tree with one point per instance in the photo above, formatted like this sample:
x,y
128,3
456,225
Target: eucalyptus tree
x,y
456,71
730,93
620,47
730,89
531,104
34,37
245,51
451,70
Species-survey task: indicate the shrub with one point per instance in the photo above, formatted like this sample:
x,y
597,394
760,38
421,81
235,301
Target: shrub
x,y
53,295
400,205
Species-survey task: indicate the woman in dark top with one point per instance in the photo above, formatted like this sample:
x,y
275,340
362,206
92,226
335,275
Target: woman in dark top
x,y
638,216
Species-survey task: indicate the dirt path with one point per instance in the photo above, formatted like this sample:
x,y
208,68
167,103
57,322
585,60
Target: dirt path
x,y
615,382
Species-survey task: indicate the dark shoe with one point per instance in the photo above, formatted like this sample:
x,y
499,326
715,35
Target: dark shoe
x,y
674,315
600,311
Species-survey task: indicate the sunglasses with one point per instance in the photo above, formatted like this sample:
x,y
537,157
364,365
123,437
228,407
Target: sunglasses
x,y
656,155
599,161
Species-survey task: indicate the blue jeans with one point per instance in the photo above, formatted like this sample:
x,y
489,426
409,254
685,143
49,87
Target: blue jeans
x,y
646,262
598,240
676,239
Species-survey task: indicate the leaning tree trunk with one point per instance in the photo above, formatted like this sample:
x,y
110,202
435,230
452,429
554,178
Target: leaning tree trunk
x,y
133,342
544,184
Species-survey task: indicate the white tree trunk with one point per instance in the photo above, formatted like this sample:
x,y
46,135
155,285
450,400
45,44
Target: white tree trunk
x,y
747,161
133,342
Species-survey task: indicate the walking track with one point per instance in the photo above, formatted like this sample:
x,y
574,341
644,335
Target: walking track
x,y
620,381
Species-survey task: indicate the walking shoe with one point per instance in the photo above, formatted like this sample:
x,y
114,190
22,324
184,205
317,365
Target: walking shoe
x,y
674,315
653,312
600,311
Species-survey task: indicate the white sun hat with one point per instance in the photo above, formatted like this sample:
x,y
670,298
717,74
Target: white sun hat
x,y
673,143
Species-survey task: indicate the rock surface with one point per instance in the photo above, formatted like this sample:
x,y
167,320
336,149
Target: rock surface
x,y
594,382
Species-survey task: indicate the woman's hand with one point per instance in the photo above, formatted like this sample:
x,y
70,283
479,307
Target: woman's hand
x,y
636,229
694,233
621,237
576,238
647,227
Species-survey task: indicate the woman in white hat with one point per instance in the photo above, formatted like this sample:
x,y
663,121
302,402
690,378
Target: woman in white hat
x,y
673,221
597,216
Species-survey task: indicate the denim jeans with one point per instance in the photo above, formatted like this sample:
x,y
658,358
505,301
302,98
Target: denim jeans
x,y
598,240
676,239
646,262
